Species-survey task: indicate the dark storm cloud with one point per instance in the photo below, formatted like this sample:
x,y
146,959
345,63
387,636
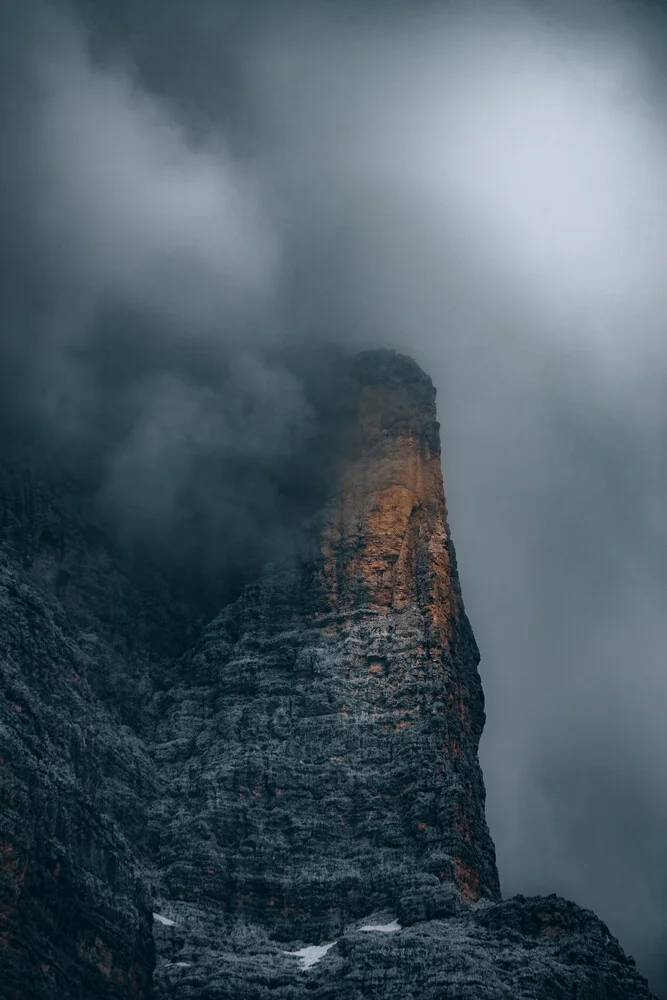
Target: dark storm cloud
x,y
139,298
195,190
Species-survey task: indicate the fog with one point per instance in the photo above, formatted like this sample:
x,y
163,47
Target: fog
x,y
194,196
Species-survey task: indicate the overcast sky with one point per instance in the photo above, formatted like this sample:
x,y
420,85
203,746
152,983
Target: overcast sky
x,y
191,188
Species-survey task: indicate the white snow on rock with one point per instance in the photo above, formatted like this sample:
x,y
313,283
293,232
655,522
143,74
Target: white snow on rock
x,y
382,928
164,920
182,965
311,955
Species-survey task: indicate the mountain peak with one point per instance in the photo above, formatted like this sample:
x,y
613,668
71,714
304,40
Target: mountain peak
x,y
295,805
354,670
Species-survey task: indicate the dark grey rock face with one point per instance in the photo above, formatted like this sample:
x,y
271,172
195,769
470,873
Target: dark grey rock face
x,y
204,824
75,916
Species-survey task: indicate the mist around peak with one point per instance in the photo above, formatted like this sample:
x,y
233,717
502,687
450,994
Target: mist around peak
x,y
202,207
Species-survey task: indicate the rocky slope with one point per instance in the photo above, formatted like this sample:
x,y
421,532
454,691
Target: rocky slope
x,y
304,775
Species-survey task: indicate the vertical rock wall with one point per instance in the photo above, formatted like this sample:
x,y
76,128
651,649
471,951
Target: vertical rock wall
x,y
337,704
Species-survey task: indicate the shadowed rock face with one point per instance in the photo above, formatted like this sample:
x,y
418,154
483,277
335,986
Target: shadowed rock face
x,y
307,768
75,915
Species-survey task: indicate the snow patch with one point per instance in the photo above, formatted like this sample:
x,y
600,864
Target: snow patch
x,y
182,965
164,920
382,928
311,955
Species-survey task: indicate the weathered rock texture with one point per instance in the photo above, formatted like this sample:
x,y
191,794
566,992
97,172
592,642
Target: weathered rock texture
x,y
75,916
308,766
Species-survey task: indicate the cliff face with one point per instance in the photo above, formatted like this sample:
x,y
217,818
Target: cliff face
x,y
75,916
307,770
386,547
337,705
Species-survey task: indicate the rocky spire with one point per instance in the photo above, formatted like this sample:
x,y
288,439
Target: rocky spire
x,y
387,555
339,770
